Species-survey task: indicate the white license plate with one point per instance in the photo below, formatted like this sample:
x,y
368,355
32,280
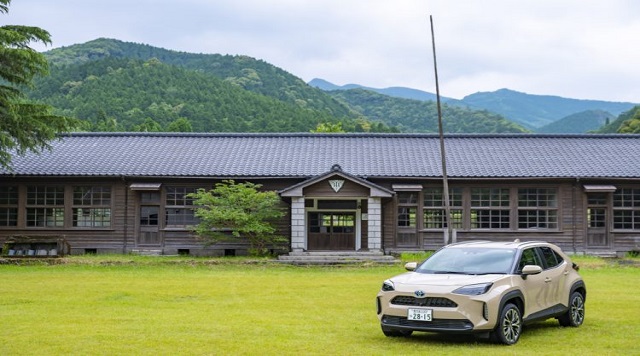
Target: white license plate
x,y
419,314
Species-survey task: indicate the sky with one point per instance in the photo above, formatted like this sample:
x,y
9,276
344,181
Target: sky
x,y
581,49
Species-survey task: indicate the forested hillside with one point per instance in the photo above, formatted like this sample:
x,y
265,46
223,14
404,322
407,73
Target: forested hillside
x,y
538,113
120,86
533,111
243,71
581,122
397,92
125,94
627,122
422,116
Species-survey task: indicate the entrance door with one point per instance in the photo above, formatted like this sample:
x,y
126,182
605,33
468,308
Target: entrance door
x,y
149,215
331,231
597,220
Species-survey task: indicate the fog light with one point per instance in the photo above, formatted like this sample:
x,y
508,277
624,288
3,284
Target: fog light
x,y
485,311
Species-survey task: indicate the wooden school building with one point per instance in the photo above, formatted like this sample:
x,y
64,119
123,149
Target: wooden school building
x,y
127,192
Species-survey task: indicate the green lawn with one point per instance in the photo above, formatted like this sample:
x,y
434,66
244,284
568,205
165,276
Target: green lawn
x,y
133,305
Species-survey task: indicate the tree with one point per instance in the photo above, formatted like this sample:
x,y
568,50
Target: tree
x,y
631,125
105,123
327,127
148,125
238,210
24,126
181,124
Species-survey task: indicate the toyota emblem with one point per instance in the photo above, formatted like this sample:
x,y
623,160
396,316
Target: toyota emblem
x,y
419,293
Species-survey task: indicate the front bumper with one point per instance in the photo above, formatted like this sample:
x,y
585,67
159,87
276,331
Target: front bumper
x,y
437,325
451,313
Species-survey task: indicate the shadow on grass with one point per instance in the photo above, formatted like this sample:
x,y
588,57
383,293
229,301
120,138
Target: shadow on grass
x,y
530,331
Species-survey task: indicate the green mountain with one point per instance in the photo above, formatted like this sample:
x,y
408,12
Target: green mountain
x,y
397,92
133,91
422,116
118,86
533,111
530,111
245,72
627,122
586,121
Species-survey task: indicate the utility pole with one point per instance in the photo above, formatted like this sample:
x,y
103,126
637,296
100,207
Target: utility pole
x,y
445,184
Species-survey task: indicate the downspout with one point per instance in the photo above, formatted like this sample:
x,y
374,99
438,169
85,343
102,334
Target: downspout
x,y
126,214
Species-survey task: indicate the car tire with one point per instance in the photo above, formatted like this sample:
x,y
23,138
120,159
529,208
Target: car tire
x,y
396,333
509,325
575,315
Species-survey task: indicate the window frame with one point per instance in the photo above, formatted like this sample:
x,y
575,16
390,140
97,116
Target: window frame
x,y
433,203
9,205
620,206
43,203
538,208
95,202
487,205
407,210
173,209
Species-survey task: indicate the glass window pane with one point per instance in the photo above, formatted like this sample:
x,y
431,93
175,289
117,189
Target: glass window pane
x,y
8,216
149,215
8,195
406,217
408,198
537,208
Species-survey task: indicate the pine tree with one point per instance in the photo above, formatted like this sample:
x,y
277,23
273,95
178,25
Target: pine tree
x,y
24,126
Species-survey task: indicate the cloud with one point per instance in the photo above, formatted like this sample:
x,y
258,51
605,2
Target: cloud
x,y
573,48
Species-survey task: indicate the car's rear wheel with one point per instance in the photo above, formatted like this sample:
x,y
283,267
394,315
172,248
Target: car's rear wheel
x,y
509,325
575,315
396,332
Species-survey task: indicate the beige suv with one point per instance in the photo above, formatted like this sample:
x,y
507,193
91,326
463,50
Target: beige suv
x,y
486,288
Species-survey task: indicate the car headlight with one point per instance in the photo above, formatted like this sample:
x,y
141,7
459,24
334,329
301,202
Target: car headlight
x,y
387,286
474,289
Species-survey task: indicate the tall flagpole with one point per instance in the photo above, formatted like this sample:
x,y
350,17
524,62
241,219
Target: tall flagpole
x,y
445,183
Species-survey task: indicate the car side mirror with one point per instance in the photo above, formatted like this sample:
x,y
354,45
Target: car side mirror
x,y
411,266
531,269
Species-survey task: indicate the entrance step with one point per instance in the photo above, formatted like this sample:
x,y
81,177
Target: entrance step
x,y
602,253
147,252
336,258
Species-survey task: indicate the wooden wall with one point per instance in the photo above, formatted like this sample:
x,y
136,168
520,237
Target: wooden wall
x,y
121,236
570,234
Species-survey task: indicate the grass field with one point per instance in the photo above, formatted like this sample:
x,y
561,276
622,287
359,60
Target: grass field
x,y
169,306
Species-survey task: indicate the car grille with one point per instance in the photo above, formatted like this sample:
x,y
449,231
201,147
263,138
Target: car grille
x,y
436,324
424,302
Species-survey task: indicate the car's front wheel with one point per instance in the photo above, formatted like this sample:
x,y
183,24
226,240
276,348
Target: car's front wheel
x,y
509,325
575,315
396,332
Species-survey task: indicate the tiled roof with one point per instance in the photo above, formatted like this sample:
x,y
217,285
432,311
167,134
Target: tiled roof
x,y
306,155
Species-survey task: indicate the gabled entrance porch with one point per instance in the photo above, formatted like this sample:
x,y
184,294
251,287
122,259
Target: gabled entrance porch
x,y
336,212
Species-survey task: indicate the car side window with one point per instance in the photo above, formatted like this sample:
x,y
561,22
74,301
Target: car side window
x,y
551,257
529,257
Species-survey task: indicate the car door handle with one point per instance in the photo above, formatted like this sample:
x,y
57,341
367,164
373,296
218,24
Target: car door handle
x,y
547,280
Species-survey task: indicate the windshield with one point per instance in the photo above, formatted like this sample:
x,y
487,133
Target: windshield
x,y
469,260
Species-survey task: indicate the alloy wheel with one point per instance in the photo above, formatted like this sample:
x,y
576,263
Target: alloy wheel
x,y
511,325
577,309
